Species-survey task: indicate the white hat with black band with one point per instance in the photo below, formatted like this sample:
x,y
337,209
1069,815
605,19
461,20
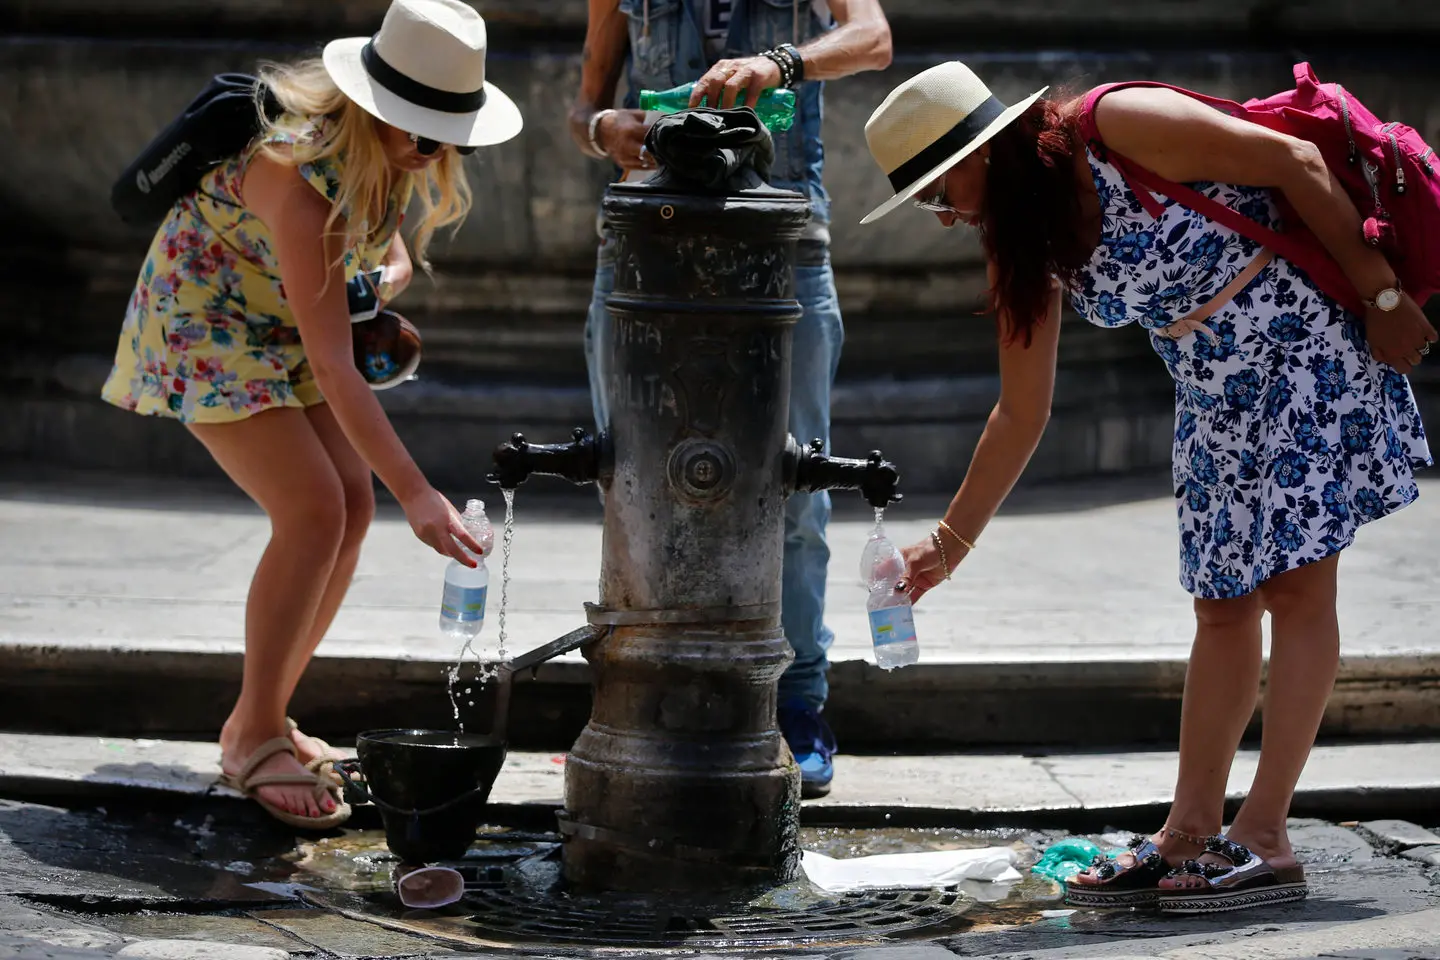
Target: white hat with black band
x,y
930,123
424,73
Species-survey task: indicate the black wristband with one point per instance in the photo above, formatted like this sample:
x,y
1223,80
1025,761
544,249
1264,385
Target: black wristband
x,y
783,62
797,62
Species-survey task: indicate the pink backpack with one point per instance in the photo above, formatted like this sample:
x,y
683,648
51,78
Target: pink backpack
x,y
1388,171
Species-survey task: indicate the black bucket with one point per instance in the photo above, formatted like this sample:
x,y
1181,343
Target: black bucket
x,y
431,787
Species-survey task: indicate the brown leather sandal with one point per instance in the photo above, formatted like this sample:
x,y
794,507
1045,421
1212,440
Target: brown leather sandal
x,y
1117,885
1243,881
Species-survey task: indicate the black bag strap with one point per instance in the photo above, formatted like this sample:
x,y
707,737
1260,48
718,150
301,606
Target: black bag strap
x,y
215,126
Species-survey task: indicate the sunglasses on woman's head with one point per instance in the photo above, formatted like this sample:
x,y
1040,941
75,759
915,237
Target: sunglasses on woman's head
x,y
427,147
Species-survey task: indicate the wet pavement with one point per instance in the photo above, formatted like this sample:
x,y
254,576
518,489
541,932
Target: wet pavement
x,y
213,872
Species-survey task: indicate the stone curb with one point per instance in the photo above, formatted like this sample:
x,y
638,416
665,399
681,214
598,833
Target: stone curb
x,y
1375,787
1359,800
926,708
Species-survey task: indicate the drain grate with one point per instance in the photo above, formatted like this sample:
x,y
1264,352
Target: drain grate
x,y
500,913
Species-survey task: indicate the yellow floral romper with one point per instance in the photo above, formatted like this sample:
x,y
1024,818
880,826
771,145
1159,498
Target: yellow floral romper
x,y
208,335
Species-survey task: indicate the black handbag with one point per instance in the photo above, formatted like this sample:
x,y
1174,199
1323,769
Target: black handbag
x,y
219,123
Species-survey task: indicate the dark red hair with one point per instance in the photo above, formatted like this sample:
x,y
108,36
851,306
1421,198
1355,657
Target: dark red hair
x,y
1031,224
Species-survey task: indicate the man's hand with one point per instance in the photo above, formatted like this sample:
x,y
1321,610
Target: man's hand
x,y
621,133
1398,336
723,83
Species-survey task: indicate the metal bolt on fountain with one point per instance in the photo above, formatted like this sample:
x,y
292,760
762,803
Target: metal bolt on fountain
x,y
681,781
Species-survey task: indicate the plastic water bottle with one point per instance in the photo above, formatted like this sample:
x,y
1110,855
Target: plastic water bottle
x,y
776,106
892,619
462,605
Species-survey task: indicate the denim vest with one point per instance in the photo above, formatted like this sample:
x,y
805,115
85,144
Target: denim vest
x,y
667,49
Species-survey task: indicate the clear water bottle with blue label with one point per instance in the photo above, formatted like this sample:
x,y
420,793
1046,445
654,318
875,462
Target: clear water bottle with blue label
x,y
892,618
462,605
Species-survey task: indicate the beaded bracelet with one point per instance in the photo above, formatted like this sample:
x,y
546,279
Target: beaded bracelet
x,y
968,545
944,561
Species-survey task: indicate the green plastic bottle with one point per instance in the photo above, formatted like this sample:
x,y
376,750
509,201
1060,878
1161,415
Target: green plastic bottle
x,y
776,106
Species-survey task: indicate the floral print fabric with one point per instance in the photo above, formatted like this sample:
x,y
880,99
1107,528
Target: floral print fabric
x,y
1288,435
208,335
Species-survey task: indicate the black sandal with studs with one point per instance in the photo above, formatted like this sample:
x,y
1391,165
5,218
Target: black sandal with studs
x,y
1243,880
1121,885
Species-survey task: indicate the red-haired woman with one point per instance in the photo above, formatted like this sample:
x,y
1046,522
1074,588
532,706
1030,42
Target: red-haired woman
x,y
1290,430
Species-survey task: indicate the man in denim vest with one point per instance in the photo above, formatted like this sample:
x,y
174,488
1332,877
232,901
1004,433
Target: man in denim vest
x,y
729,46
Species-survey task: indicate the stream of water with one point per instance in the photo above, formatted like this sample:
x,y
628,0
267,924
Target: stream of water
x,y
484,670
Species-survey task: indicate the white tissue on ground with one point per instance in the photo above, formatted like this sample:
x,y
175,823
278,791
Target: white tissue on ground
x,y
987,871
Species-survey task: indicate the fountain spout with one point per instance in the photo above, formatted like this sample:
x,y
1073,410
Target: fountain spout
x,y
810,469
577,461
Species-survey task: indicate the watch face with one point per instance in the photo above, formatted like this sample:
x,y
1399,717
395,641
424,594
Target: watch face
x,y
1387,299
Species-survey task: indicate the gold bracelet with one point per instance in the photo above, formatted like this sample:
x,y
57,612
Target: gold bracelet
x,y
968,545
944,562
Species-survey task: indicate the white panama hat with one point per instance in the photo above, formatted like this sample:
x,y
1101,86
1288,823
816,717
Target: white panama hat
x,y
424,73
930,123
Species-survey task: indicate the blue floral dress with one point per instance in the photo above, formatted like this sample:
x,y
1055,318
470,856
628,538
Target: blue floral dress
x,y
1288,435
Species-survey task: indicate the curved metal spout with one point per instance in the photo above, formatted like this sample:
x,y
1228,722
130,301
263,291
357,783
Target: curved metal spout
x,y
810,470
573,640
517,458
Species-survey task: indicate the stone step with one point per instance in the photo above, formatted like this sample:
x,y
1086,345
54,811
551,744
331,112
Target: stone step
x,y
1015,21
1056,788
172,689
1105,421
95,102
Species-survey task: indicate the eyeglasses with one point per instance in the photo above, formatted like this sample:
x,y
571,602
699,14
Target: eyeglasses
x,y
427,147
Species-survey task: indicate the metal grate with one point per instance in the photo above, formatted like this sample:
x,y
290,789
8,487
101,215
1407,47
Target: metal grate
x,y
500,913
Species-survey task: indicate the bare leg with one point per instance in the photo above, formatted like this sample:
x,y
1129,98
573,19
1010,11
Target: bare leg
x,y
1222,681
278,459
359,496
1304,657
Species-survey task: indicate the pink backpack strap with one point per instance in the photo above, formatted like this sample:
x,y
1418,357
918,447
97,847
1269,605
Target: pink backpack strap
x,y
1145,184
1091,132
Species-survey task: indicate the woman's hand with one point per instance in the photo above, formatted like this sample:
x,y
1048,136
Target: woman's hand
x,y
399,271
723,83
621,133
1399,337
438,524
923,568
396,278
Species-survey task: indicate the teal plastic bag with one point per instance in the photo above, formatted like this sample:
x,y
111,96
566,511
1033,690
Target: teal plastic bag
x,y
1065,858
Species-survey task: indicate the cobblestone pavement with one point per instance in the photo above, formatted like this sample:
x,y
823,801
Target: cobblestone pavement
x,y
221,879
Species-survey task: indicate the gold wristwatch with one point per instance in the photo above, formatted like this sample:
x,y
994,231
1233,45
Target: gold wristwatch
x,y
1386,300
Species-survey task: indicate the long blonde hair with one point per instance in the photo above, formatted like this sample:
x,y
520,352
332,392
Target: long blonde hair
x,y
325,123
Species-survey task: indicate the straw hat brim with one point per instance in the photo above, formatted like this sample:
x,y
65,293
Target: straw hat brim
x,y
1000,123
495,122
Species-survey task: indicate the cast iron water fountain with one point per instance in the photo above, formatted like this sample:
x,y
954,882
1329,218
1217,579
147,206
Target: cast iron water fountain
x,y
681,785
681,781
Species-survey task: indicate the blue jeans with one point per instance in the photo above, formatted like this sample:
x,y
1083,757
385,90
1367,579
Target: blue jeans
x,y
815,355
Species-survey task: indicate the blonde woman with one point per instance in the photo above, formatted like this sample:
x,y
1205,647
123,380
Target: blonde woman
x,y
239,328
